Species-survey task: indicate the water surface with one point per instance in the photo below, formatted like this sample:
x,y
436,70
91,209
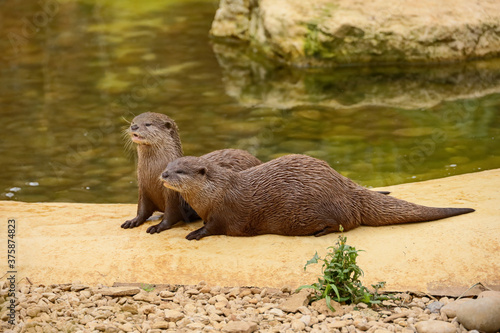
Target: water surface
x,y
74,72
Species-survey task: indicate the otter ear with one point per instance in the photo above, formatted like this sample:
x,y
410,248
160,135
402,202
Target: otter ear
x,y
168,124
202,171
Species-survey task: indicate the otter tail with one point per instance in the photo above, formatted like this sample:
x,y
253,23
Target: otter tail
x,y
384,210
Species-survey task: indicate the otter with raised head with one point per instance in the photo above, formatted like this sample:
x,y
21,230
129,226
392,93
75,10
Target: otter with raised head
x,y
294,195
158,143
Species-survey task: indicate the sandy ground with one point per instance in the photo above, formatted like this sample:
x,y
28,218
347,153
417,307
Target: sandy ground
x,y
62,242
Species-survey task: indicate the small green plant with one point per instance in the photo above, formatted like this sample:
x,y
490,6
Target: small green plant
x,y
340,280
148,287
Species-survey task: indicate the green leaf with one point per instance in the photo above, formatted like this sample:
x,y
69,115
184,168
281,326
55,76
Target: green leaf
x,y
313,260
309,286
335,289
329,303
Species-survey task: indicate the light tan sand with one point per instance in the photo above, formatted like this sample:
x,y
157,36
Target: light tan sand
x,y
61,242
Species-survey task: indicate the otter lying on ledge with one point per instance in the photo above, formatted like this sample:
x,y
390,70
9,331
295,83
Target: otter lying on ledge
x,y
294,195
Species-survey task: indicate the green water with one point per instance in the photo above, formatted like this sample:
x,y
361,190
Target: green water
x,y
72,74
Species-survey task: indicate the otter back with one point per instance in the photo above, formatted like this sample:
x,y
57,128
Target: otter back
x,y
294,195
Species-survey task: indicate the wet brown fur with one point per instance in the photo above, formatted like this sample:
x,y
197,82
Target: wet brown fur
x,y
294,195
160,145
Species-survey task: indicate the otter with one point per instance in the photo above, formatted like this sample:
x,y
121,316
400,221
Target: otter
x,y
294,195
158,142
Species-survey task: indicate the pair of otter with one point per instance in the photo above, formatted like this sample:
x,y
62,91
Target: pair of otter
x,y
236,195
158,143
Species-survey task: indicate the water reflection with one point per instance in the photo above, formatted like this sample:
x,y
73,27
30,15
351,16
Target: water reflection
x,y
68,89
258,82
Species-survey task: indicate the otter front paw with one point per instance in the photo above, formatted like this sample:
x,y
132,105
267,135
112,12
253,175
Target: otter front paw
x,y
135,222
198,234
156,229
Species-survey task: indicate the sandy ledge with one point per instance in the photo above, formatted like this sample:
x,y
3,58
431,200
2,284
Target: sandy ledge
x,y
62,242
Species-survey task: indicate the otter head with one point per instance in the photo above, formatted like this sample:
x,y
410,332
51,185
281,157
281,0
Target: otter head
x,y
154,129
185,174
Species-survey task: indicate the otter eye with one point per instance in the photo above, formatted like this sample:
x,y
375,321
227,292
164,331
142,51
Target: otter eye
x,y
202,171
148,124
168,125
180,172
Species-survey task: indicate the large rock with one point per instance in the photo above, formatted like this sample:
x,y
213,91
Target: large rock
x,y
325,32
489,293
450,309
482,314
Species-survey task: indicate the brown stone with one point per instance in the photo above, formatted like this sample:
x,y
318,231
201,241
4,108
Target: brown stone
x,y
322,308
435,326
145,296
245,292
33,311
117,291
191,292
339,323
161,324
130,308
205,289
127,327
50,296
173,315
240,327
78,287
295,301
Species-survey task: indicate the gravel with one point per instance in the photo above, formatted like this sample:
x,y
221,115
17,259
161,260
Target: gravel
x,y
79,308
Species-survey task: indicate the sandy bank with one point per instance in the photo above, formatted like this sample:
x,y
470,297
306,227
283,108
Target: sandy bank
x,y
62,242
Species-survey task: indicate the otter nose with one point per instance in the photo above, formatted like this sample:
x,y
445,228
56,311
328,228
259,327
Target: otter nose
x,y
164,175
134,127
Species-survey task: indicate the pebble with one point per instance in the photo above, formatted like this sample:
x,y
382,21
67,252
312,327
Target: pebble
x,y
434,307
78,287
203,308
306,319
127,327
321,307
146,297
130,308
296,301
339,323
435,326
117,291
33,312
161,324
277,312
298,325
240,327
173,315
